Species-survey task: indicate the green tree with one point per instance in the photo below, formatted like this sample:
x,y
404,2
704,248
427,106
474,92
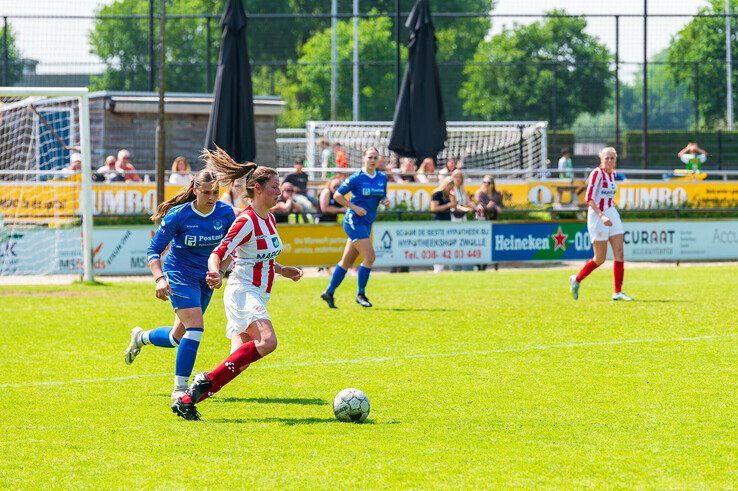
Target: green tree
x,y
550,69
13,72
701,44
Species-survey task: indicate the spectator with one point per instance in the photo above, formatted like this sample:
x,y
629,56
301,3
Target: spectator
x,y
326,155
286,205
339,156
407,170
109,171
299,181
463,203
235,196
390,168
693,157
565,164
125,167
181,172
329,207
74,167
442,202
448,167
427,171
489,200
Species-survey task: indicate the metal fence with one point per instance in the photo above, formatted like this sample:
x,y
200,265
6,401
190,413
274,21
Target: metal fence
x,y
648,118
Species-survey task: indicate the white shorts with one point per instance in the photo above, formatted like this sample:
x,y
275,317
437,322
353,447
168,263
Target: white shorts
x,y
244,304
598,230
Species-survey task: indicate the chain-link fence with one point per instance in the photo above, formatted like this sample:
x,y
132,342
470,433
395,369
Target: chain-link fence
x,y
582,74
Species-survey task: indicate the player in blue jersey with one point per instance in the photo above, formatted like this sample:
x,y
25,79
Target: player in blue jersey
x,y
192,223
368,189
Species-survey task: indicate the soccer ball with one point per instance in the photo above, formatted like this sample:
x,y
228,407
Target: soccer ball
x,y
351,405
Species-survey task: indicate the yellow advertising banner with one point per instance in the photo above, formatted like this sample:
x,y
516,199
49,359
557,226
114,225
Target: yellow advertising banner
x,y
60,199
311,244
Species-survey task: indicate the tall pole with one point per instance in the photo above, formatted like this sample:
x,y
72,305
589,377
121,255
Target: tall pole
x,y
729,65
151,45
160,131
398,75
617,83
334,57
644,140
356,61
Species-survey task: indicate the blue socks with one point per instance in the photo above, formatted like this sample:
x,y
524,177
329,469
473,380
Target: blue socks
x,y
161,337
363,278
338,275
186,355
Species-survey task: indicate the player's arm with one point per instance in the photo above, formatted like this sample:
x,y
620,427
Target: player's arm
x,y
163,236
290,272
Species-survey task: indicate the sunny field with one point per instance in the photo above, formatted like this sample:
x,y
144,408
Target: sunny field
x,y
494,379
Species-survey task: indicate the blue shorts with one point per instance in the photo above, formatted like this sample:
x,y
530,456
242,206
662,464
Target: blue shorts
x,y
356,228
188,292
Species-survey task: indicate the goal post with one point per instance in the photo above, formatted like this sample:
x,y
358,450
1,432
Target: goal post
x,y
517,149
40,198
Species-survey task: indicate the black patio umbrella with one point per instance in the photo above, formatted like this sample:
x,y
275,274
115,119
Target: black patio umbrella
x,y
419,127
231,124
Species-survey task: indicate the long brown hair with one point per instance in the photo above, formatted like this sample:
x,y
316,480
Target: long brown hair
x,y
186,194
228,170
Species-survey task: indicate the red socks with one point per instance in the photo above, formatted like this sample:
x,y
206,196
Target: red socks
x,y
236,363
618,271
586,270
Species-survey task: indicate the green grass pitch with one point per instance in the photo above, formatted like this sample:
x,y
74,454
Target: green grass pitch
x,y
495,379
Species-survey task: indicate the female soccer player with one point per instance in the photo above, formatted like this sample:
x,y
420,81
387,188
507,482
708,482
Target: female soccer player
x,y
254,243
194,222
368,189
603,224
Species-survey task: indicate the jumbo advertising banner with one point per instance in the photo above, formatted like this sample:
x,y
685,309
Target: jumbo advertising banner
x,y
53,198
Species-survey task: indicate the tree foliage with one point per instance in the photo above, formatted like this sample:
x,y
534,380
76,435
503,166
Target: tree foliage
x,y
14,69
550,69
701,44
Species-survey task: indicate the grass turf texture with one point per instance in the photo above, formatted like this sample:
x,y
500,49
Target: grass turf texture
x,y
475,379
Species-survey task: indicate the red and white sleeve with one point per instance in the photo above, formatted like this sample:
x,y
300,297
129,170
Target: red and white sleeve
x,y
240,232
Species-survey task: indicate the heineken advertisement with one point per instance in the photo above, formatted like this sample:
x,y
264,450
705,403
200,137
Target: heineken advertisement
x,y
540,241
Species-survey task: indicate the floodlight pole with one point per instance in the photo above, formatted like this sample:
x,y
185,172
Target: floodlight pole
x,y
356,61
729,66
644,140
160,130
398,75
334,57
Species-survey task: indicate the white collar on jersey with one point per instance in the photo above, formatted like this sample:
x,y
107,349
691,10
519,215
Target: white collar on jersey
x,y
192,205
370,175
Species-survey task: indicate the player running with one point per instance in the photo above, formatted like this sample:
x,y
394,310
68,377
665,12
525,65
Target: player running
x,y
254,243
603,224
368,189
193,222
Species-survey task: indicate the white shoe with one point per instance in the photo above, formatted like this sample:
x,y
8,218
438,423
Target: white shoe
x,y
177,393
134,348
574,286
621,296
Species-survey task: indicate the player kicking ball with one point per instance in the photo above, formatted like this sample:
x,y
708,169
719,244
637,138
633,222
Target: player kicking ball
x,y
603,224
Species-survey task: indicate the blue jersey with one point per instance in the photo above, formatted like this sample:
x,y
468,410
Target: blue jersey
x,y
193,237
366,192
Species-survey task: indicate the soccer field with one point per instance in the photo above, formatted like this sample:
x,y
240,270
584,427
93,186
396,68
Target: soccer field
x,y
476,380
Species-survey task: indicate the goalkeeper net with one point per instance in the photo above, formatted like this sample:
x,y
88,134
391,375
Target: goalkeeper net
x,y
516,149
45,182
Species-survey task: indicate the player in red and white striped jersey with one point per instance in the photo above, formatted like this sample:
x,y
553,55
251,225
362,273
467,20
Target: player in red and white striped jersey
x,y
603,224
253,243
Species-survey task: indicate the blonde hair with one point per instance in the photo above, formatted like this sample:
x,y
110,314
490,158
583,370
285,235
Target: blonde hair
x,y
177,161
228,170
607,150
185,195
444,184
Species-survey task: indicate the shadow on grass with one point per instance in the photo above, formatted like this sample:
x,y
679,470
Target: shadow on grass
x,y
402,309
302,401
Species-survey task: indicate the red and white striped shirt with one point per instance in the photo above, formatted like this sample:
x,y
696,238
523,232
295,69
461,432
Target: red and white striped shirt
x,y
601,188
254,243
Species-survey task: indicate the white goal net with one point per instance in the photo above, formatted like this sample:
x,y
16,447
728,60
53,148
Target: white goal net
x,y
516,149
45,182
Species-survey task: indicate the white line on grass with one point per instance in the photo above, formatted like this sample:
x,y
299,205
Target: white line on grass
x,y
539,347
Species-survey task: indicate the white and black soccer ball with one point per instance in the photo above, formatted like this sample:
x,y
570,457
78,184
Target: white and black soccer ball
x,y
351,405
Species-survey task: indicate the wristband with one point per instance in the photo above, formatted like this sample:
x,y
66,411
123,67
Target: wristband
x,y
222,273
160,277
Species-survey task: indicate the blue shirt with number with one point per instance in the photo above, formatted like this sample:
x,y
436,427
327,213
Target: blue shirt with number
x,y
192,235
366,192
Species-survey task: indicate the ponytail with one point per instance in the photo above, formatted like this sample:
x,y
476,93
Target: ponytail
x,y
228,170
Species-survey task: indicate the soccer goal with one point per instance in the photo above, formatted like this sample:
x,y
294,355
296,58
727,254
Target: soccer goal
x,y
45,198
516,148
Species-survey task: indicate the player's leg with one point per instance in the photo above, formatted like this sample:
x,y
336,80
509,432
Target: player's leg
x,y
350,253
616,242
600,254
187,352
163,337
366,249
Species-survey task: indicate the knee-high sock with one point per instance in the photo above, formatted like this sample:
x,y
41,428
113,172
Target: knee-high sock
x,y
161,337
186,354
236,363
588,268
618,272
363,278
338,275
